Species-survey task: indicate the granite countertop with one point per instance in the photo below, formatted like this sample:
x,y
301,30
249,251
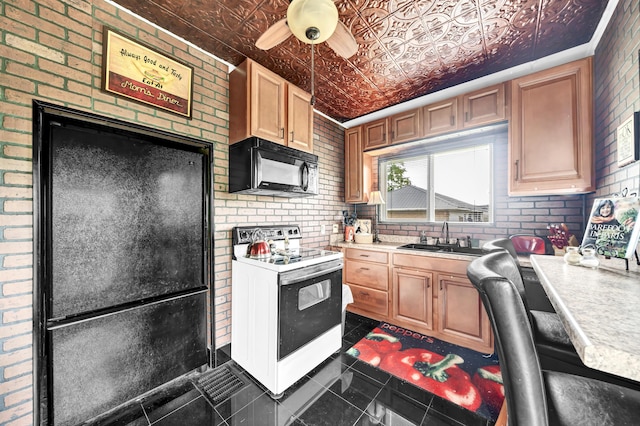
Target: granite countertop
x,y
600,308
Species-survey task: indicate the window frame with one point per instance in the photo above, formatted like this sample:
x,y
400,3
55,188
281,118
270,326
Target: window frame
x,y
428,149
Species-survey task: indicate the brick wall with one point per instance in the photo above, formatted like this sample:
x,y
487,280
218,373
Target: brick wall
x,y
617,96
52,51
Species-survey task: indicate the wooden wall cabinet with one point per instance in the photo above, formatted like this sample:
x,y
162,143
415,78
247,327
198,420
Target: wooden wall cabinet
x,y
551,148
402,127
473,109
357,165
263,104
375,134
441,117
366,272
484,106
405,126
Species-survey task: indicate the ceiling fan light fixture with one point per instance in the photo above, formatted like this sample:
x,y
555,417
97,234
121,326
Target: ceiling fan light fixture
x,y
312,21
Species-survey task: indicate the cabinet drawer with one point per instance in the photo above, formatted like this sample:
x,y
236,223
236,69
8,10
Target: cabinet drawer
x,y
369,299
430,263
371,275
368,255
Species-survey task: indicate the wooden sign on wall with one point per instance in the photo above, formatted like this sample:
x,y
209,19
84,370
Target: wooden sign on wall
x,y
627,137
138,72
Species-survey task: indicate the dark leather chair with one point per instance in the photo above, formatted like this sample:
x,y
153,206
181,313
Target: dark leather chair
x,y
555,350
547,328
537,397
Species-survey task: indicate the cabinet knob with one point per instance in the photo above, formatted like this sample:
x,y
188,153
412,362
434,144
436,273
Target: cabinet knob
x,y
517,170
282,132
291,137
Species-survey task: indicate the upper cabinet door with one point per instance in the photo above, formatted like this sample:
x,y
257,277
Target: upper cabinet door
x,y
267,104
441,117
551,136
357,166
406,126
484,106
300,119
374,134
263,104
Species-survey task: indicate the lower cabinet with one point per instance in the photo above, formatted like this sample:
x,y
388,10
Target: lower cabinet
x,y
413,298
428,294
461,315
367,274
432,295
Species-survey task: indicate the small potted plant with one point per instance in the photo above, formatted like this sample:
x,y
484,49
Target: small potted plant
x,y
349,225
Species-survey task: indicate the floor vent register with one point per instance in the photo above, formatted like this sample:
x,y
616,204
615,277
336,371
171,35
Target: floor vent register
x,y
218,384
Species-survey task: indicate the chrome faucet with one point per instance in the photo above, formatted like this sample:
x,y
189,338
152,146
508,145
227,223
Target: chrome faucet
x,y
423,237
445,232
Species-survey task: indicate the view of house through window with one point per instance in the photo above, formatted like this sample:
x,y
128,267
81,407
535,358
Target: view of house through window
x,y
453,185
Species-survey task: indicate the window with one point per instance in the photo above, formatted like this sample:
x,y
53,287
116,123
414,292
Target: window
x,y
450,181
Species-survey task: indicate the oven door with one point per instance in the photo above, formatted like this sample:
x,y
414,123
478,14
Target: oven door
x,y
309,304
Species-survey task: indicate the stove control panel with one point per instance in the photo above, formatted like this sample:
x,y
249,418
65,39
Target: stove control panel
x,y
244,234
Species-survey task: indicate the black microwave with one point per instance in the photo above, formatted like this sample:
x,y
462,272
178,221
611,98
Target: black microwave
x,y
261,167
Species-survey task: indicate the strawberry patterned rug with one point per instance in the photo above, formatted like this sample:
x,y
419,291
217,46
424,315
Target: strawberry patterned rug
x,y
465,377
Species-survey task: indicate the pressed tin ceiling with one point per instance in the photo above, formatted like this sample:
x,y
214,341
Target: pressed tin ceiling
x,y
407,48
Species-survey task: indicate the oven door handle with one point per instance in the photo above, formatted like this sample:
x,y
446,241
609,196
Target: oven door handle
x,y
293,277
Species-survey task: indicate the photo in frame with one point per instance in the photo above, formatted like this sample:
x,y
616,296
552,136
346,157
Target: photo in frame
x,y
628,140
138,72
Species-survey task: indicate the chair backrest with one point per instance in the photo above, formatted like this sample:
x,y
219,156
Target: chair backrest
x,y
514,274
528,244
519,363
501,243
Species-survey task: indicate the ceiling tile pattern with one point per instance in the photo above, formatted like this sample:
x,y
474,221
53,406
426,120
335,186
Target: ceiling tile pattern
x,y
407,48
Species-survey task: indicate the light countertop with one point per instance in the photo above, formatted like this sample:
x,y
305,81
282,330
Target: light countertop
x,y
600,308
388,246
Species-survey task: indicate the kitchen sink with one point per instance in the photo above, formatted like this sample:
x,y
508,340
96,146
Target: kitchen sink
x,y
427,247
472,251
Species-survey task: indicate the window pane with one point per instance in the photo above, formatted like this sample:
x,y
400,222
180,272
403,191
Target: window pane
x,y
462,183
448,185
407,189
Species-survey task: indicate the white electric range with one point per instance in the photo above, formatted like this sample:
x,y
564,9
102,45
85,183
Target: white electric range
x,y
286,308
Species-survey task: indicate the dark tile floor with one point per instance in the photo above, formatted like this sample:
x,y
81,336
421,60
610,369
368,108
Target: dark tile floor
x,y
341,391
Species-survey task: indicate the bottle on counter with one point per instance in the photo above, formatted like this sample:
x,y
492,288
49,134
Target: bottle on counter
x,y
589,258
573,256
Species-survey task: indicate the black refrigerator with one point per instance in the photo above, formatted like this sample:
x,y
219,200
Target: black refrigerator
x,y
122,248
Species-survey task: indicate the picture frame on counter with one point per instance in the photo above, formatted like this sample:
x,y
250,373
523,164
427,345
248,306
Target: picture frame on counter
x,y
138,72
628,140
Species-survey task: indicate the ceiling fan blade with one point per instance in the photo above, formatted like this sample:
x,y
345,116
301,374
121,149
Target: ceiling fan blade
x,y
275,34
342,41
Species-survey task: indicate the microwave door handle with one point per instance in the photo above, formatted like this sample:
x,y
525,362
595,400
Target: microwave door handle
x,y
256,173
305,176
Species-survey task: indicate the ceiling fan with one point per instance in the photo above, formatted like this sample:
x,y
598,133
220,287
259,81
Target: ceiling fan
x,y
312,22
